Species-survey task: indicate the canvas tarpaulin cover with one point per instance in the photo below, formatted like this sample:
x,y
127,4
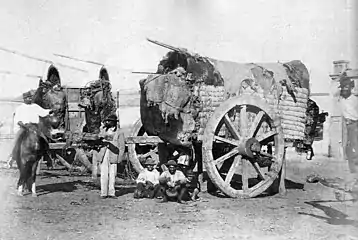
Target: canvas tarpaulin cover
x,y
265,75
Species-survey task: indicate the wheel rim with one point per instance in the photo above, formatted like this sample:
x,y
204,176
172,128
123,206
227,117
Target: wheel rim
x,y
232,146
139,152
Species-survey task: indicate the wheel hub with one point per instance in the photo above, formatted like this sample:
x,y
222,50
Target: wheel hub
x,y
248,147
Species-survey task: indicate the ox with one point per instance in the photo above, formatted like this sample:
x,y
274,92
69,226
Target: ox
x,y
30,146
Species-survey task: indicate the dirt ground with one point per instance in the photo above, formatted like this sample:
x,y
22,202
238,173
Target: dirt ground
x,y
69,207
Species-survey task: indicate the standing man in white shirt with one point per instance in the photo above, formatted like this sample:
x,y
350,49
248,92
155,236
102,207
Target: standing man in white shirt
x,y
109,155
27,112
348,99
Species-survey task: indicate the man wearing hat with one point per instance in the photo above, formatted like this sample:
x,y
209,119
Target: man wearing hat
x,y
109,155
348,99
148,180
172,182
27,112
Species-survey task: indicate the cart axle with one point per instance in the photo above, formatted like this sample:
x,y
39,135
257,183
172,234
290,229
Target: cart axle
x,y
248,147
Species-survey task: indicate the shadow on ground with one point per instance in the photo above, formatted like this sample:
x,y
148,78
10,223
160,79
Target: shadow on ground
x,y
236,183
75,185
334,216
120,191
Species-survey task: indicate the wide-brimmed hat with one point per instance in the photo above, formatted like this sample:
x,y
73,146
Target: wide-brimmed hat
x,y
149,161
111,117
171,163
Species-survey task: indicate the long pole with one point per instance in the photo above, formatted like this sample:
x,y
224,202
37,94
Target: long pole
x,y
77,59
39,59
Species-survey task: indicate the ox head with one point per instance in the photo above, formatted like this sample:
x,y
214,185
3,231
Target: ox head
x,y
28,96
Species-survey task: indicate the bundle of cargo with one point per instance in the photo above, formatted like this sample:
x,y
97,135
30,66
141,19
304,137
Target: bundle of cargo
x,y
97,100
271,82
206,83
238,114
50,95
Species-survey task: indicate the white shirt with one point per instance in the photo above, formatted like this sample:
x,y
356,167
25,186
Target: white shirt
x,y
177,176
151,176
349,107
29,113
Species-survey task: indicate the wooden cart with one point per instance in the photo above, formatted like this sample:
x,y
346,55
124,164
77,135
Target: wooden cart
x,y
242,135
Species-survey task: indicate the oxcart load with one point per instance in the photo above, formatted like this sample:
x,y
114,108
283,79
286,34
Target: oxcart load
x,y
80,111
50,95
240,114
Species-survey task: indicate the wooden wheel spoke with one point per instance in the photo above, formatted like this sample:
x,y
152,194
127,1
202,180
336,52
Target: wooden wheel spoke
x,y
232,169
225,140
258,170
155,150
245,175
266,154
255,124
266,136
228,155
243,121
231,127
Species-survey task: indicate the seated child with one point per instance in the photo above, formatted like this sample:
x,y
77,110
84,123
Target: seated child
x,y
192,187
148,181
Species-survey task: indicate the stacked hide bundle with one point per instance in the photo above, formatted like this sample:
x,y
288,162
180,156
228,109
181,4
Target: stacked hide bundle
x,y
272,82
176,105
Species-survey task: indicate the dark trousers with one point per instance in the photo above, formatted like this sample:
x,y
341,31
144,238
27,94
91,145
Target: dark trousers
x,y
352,145
182,193
145,191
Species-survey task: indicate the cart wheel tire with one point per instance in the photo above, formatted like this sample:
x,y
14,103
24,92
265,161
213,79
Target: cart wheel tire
x,y
219,119
134,156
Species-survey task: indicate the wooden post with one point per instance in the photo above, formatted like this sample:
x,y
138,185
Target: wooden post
x,y
39,166
282,188
163,155
94,164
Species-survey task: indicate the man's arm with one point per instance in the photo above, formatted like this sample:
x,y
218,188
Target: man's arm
x,y
141,178
335,89
41,111
163,178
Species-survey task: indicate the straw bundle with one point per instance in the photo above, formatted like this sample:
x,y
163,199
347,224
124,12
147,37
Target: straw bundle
x,y
292,110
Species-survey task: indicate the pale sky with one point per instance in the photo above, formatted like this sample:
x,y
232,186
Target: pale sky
x,y
114,32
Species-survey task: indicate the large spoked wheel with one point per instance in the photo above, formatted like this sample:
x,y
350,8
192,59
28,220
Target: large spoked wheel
x,y
243,147
139,151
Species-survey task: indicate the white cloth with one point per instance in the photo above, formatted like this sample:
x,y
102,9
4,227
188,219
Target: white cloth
x,y
108,176
177,176
183,160
151,176
349,107
29,113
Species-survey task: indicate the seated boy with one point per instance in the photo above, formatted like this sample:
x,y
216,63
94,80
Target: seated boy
x,y
148,181
192,187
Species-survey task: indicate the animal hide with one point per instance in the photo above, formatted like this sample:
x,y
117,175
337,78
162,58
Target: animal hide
x,y
176,96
